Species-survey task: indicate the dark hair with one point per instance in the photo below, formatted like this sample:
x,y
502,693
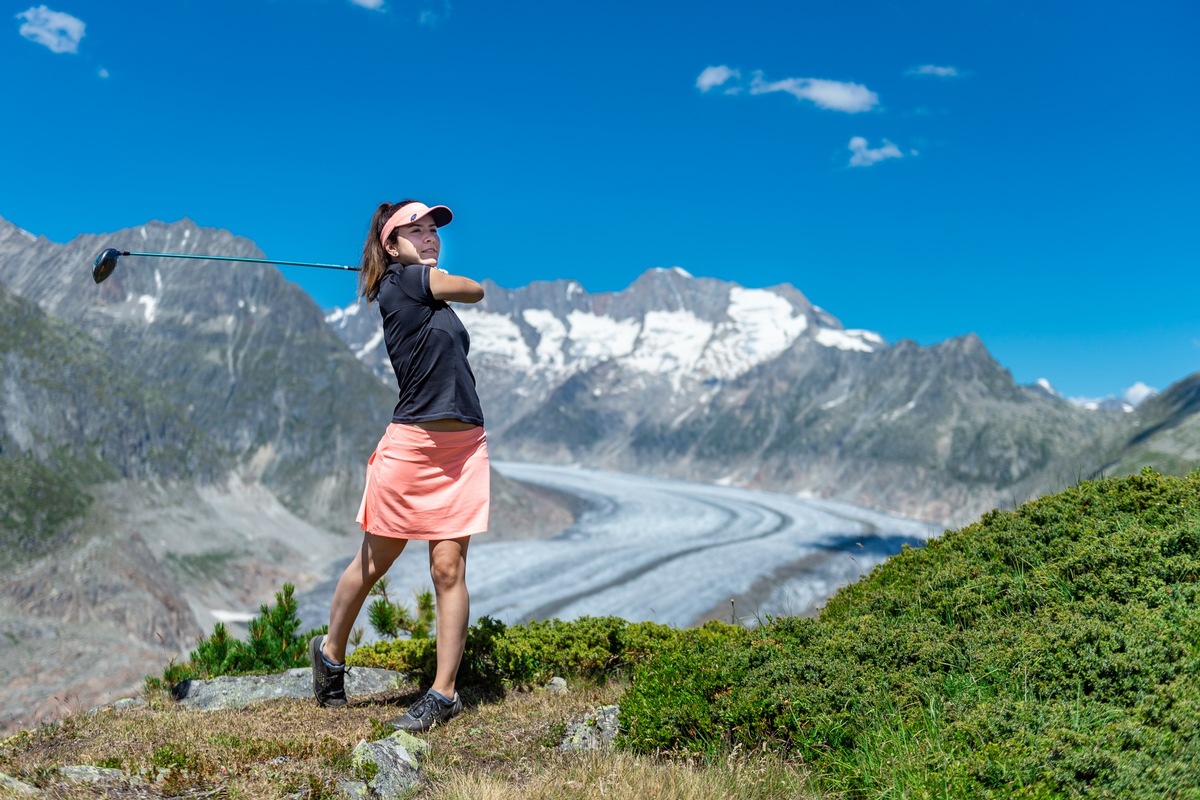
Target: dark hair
x,y
375,259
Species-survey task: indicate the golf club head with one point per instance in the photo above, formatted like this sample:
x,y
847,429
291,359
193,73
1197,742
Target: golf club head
x,y
105,263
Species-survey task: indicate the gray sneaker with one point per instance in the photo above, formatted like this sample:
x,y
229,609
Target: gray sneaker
x,y
427,712
329,682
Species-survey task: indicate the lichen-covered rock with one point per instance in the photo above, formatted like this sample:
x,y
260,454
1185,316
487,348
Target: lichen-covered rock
x,y
85,773
11,784
390,767
354,790
596,732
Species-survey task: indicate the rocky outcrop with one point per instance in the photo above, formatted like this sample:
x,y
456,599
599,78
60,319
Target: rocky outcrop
x,y
597,731
386,768
239,691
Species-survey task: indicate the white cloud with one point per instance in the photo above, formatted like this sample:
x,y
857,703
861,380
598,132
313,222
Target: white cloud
x,y
864,156
102,72
374,5
712,77
1138,392
933,69
53,29
835,95
435,14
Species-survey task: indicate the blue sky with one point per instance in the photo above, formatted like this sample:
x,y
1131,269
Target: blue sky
x,y
1026,171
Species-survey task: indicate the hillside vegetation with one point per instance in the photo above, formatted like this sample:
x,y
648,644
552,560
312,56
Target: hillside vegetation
x,y
1048,652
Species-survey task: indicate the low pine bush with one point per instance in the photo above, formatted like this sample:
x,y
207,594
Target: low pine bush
x,y
274,644
496,655
392,619
1052,651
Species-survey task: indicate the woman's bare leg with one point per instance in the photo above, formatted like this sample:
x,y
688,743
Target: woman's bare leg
x,y
373,559
448,568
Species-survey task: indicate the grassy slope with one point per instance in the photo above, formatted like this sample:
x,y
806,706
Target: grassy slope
x,y
506,751
1047,652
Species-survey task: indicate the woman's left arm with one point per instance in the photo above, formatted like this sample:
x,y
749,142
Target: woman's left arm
x,y
453,288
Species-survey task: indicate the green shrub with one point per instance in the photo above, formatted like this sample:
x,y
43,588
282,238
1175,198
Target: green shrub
x,y
274,644
496,655
392,619
1053,651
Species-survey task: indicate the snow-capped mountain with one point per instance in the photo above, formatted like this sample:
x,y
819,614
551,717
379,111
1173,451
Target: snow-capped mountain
x,y
705,379
668,326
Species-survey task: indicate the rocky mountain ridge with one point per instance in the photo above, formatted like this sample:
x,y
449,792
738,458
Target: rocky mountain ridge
x,y
707,380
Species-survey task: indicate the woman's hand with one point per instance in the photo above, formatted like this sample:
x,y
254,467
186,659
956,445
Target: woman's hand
x,y
407,254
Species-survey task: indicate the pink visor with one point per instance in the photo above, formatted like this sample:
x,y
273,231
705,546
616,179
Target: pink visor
x,y
411,212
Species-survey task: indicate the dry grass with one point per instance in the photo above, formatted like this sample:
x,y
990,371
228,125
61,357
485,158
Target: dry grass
x,y
506,750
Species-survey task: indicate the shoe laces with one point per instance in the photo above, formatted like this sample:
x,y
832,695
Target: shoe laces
x,y
426,705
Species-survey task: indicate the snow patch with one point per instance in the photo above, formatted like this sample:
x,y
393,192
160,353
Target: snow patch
x,y
670,342
496,335
369,347
594,337
835,402
552,333
221,615
896,414
859,340
1097,404
151,307
337,315
761,326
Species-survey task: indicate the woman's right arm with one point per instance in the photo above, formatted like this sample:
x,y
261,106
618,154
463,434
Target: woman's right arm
x,y
453,288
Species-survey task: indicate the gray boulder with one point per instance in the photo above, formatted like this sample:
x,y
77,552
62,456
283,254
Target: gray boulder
x,y
239,691
388,767
596,732
9,784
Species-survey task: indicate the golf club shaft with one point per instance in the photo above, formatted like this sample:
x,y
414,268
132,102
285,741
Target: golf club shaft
x,y
240,258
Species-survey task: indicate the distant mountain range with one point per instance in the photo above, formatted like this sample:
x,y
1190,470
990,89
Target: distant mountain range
x,y
707,380
187,436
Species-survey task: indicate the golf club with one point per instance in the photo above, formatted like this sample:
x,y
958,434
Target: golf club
x,y
106,261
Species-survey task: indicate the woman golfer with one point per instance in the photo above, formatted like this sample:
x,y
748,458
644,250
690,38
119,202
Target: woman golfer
x,y
428,478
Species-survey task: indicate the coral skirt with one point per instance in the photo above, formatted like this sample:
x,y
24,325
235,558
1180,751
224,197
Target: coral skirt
x,y
427,484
